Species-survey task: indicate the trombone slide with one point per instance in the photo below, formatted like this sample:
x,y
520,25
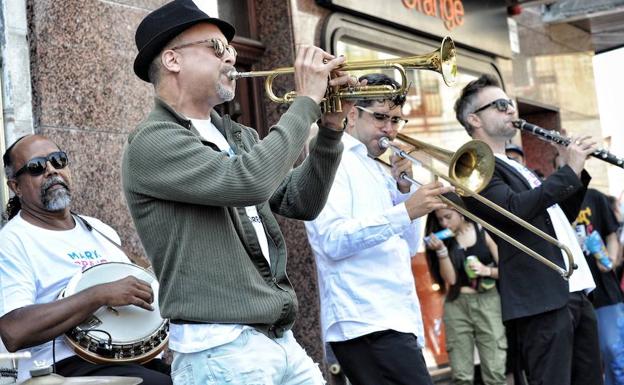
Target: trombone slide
x,y
461,189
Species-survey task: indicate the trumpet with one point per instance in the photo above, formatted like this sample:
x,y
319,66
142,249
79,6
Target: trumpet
x,y
554,137
442,60
470,169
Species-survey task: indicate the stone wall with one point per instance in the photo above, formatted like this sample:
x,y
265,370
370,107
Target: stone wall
x,y
87,98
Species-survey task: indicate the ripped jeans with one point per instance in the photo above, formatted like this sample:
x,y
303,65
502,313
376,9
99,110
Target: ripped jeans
x,y
251,359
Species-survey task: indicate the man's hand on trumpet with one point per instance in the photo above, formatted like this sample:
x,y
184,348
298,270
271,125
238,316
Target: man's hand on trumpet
x,y
313,68
316,71
335,120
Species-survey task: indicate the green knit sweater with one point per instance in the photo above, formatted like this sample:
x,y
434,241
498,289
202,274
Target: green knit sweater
x,y
187,201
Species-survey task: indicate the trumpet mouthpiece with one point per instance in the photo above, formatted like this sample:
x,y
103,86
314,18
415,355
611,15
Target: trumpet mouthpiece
x,y
233,75
384,143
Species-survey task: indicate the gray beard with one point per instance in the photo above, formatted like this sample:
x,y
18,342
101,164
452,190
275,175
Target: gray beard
x,y
224,94
57,199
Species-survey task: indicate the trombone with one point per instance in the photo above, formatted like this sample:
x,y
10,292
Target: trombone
x,y
470,169
442,60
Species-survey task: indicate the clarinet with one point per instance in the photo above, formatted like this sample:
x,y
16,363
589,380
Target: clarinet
x,y
554,137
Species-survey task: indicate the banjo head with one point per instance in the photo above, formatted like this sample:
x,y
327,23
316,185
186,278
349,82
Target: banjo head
x,y
117,334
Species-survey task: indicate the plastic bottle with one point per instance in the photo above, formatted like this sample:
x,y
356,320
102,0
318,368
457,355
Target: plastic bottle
x,y
441,235
596,247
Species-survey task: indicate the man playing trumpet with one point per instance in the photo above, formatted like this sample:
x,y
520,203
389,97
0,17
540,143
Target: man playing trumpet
x,y
202,190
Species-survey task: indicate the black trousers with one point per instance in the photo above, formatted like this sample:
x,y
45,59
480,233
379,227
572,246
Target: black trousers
x,y
152,373
382,358
560,347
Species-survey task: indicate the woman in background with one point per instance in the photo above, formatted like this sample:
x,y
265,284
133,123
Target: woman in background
x,y
464,265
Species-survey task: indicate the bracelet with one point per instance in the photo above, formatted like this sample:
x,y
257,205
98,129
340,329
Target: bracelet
x,y
442,253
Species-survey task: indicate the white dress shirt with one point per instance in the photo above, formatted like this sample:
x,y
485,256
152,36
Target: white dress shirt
x,y
363,242
581,278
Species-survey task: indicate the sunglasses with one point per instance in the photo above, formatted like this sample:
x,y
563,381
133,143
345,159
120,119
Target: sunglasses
x,y
383,118
37,166
219,47
501,104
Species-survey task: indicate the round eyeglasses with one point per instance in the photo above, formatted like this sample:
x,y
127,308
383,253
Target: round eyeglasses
x,y
220,48
381,119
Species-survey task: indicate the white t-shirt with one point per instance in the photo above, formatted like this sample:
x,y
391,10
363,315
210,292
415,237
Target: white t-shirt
x,y
36,264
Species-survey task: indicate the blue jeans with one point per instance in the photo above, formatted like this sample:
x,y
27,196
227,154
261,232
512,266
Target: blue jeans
x,y
251,359
611,334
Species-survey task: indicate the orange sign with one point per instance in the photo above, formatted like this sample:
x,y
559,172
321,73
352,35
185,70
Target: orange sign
x,y
450,11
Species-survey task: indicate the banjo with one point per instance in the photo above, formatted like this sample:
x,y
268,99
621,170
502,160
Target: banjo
x,y
123,334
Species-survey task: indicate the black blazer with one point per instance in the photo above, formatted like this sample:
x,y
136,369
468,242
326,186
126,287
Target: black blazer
x,y
527,286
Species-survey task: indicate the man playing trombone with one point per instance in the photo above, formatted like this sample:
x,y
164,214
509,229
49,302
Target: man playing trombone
x,y
201,190
363,242
553,320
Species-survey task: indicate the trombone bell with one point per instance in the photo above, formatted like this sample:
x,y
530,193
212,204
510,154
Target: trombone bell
x,y
471,166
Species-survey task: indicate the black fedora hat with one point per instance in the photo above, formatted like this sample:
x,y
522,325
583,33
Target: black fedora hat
x,y
165,23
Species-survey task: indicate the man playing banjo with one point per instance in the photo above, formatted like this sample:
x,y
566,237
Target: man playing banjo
x,y
43,246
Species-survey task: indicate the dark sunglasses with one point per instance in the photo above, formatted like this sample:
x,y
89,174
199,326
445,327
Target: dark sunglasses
x,y
383,118
219,47
37,166
501,104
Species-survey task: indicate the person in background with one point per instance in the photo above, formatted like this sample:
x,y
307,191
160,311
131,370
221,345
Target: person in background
x,y
515,152
465,262
615,206
596,228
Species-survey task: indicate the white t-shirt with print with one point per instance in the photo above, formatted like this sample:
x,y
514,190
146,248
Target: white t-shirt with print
x,y
36,264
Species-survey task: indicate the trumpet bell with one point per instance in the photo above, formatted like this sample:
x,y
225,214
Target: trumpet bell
x,y
448,62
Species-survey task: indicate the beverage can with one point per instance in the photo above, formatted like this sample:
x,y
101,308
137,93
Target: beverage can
x,y
469,272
